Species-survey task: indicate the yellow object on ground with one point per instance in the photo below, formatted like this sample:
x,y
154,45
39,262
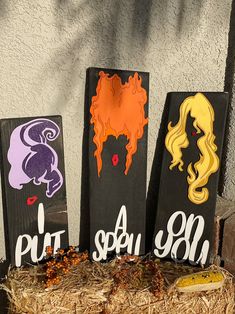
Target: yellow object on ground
x,y
201,281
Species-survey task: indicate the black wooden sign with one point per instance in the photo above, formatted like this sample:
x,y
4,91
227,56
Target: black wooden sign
x,y
118,102
189,176
33,183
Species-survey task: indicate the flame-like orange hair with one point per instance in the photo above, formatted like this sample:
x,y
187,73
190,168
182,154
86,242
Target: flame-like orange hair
x,y
202,111
118,109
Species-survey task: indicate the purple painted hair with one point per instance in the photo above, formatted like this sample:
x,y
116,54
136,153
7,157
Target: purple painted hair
x,y
31,158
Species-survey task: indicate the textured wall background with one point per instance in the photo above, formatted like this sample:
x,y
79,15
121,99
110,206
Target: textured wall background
x,y
46,46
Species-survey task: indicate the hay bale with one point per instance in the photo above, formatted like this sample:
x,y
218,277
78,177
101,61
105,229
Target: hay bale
x,y
89,288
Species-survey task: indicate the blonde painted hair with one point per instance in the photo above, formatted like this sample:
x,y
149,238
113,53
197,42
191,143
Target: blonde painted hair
x,y
202,111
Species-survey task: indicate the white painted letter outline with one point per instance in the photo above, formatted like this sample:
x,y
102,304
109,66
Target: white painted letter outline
x,y
115,241
185,230
32,242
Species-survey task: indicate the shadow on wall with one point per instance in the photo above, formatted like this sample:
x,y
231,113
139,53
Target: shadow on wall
x,y
141,20
181,25
142,15
71,56
228,87
100,21
3,8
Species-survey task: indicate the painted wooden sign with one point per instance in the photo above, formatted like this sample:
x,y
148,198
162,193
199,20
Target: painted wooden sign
x,y
118,105
33,183
189,176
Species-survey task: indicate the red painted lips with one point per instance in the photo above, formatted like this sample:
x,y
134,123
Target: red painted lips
x,y
31,200
115,160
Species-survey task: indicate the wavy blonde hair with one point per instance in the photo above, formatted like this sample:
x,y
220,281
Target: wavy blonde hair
x,y
202,111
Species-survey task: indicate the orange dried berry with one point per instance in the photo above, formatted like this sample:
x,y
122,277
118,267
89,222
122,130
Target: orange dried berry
x,y
59,265
50,263
49,250
65,258
65,270
76,261
55,281
47,284
49,271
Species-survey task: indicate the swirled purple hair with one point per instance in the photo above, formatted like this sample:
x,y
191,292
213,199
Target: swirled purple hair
x,y
31,158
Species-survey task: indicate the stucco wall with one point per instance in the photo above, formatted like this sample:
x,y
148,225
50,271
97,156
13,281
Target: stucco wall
x,y
46,46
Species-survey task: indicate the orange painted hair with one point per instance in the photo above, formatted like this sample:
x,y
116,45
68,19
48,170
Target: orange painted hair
x,y
118,109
